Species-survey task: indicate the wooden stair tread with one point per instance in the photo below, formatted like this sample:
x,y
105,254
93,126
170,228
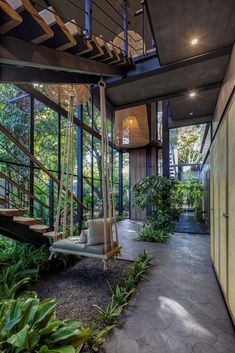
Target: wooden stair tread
x,y
9,212
63,39
33,28
3,201
97,50
27,220
39,228
83,45
52,234
107,51
9,18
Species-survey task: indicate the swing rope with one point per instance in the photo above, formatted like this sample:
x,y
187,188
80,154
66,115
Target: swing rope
x,y
67,174
108,197
68,162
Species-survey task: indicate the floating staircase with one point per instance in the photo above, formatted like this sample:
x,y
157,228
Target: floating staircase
x,y
21,20
15,225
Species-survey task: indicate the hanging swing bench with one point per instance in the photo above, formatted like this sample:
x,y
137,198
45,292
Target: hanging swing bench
x,y
101,239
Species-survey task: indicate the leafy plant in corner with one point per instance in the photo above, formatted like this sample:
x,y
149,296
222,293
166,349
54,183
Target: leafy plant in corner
x,y
30,325
164,196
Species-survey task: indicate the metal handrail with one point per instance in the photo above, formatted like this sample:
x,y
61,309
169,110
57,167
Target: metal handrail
x,y
37,162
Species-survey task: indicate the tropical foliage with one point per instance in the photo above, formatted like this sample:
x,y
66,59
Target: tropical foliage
x,y
121,294
187,141
21,263
30,325
165,198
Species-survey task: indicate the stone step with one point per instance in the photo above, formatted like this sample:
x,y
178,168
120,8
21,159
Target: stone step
x,y
27,220
10,212
39,228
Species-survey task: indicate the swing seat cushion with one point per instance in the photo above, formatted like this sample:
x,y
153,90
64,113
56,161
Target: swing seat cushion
x,y
96,232
71,245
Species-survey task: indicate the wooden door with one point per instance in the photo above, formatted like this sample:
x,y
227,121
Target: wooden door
x,y
231,208
212,206
223,198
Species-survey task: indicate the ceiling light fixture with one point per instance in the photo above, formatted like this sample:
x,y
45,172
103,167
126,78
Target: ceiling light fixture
x,y
192,94
191,113
194,41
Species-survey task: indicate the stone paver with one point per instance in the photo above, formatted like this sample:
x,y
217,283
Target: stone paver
x,y
180,308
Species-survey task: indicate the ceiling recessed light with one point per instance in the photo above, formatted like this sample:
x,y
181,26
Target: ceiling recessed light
x,y
194,41
192,94
191,113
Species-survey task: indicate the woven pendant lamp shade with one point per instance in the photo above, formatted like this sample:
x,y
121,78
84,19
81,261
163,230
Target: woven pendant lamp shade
x,y
131,127
60,93
136,44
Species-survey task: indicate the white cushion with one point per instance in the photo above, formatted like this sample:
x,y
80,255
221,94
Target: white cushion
x,y
96,232
82,239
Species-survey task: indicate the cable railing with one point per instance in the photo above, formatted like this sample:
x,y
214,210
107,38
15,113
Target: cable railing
x,y
24,188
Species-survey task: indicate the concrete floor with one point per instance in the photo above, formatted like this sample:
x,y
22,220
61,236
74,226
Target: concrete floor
x,y
180,308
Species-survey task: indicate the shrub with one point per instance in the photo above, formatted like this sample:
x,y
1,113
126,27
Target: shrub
x,y
149,233
30,325
122,293
110,314
165,198
23,260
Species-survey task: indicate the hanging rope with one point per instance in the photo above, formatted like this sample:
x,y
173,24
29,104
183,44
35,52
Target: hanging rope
x,y
68,174
108,196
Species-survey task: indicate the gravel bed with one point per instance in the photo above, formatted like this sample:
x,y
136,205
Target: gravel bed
x,y
80,286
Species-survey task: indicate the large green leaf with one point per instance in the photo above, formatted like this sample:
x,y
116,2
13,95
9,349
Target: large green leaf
x,y
45,311
51,327
30,309
66,332
14,315
20,339
66,349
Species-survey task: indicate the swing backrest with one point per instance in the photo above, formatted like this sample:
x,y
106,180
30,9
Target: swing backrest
x,y
96,232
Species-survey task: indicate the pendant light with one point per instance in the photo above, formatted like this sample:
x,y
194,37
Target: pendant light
x,y
131,127
60,93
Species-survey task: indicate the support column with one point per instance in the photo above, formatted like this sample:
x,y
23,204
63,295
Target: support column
x,y
149,153
157,138
125,26
92,156
165,138
31,148
120,204
79,167
88,18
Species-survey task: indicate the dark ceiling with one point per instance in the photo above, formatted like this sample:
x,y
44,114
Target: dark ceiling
x,y
175,24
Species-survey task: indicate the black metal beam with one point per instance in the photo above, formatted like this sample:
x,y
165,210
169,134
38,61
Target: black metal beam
x,y
169,96
12,74
173,66
80,166
31,148
120,191
149,153
172,124
165,140
17,52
